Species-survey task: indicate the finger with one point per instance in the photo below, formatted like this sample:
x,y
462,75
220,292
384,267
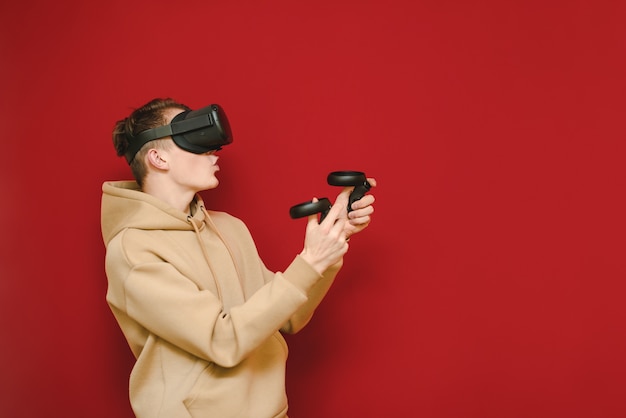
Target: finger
x,y
344,196
343,199
360,213
336,210
312,220
364,202
361,220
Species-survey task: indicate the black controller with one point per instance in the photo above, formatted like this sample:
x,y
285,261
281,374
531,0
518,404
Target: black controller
x,y
336,178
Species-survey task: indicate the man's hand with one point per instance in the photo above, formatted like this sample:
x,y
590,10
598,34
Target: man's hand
x,y
325,242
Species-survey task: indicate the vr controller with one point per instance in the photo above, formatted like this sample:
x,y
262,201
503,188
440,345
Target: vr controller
x,y
323,205
196,131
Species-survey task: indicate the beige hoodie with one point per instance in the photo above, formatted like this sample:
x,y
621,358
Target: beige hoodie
x,y
200,311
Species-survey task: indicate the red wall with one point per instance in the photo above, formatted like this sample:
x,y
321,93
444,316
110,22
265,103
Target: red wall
x,y
491,282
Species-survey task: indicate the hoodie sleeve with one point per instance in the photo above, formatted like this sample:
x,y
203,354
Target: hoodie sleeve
x,y
154,296
314,297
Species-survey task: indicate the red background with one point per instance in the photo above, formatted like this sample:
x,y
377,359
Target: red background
x,y
491,281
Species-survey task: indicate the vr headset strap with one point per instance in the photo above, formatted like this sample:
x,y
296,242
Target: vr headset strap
x,y
174,128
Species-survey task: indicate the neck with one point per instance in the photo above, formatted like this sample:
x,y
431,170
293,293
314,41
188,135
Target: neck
x,y
176,198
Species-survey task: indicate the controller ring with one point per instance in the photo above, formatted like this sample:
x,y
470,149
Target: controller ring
x,y
346,178
309,208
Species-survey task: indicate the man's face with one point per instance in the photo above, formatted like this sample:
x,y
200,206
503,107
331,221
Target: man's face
x,y
192,171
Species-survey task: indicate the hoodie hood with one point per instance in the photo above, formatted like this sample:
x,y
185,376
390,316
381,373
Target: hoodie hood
x,y
124,205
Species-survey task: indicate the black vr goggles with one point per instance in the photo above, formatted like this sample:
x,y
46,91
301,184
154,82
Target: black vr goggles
x,y
196,131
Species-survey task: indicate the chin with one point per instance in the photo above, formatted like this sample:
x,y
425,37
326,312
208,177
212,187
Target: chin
x,y
213,184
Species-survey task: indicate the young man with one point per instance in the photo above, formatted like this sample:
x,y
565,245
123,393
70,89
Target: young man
x,y
201,313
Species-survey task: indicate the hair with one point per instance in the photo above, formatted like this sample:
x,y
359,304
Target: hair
x,y
148,116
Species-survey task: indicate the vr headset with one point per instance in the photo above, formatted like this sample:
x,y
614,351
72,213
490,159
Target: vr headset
x,y
196,131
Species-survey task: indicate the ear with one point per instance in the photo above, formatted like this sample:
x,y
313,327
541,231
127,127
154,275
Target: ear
x,y
157,159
